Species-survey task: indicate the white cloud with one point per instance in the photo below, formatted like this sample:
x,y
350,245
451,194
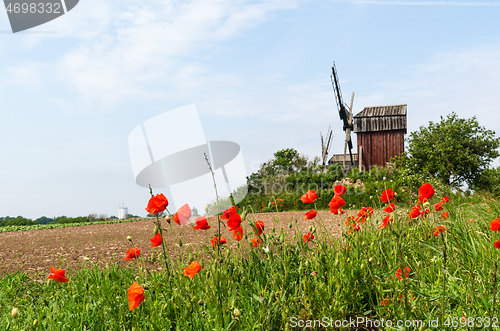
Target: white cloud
x,y
150,45
27,74
428,3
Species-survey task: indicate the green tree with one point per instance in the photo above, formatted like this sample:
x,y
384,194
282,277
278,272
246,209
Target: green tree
x,y
455,150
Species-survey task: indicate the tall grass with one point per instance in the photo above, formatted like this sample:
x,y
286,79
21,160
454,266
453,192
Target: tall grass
x,y
453,276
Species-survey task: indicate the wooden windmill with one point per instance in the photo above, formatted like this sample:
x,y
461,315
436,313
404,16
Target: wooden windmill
x,y
345,115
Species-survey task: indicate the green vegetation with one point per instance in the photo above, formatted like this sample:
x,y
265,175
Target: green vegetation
x,y
451,275
12,228
456,151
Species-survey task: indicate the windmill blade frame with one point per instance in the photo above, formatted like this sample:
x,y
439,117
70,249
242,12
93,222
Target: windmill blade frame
x,y
345,114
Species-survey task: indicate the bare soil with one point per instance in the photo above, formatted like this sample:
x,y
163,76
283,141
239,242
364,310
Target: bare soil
x,y
73,248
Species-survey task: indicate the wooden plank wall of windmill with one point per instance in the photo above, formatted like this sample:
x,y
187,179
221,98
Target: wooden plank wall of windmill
x,y
380,146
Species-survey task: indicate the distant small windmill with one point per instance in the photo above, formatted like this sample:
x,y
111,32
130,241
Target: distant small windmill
x,y
345,114
325,148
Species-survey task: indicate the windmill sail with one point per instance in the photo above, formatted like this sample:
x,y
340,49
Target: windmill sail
x,y
345,113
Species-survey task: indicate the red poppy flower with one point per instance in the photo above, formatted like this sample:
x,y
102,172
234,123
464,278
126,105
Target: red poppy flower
x,y
350,218
237,233
387,195
445,199
156,240
309,197
340,189
234,221
497,244
415,212
356,227
495,224
308,237
215,240
364,214
439,228
421,200
201,224
259,226
192,269
398,273
229,212
438,206
135,296
336,203
58,275
183,214
445,214
255,242
310,215
157,204
426,191
132,254
385,221
384,302
390,208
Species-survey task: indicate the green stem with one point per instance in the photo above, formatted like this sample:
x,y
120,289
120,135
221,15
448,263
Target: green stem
x,y
443,305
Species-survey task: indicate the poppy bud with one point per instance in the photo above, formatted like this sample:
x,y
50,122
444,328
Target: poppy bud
x,y
236,312
129,238
426,204
153,257
206,208
290,225
156,230
282,238
244,215
310,228
168,219
35,322
15,312
200,302
190,257
370,259
269,205
378,263
180,242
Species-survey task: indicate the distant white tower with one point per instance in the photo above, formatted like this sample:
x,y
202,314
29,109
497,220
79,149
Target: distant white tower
x,y
122,212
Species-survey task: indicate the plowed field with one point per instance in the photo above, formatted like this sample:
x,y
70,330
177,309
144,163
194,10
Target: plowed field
x,y
71,248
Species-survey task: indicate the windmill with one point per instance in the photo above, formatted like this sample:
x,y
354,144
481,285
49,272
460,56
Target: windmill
x,y
325,149
344,112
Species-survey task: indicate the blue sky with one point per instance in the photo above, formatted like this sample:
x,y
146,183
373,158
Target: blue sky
x,y
73,89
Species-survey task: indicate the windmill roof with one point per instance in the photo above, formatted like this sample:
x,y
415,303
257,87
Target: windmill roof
x,y
381,118
379,111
